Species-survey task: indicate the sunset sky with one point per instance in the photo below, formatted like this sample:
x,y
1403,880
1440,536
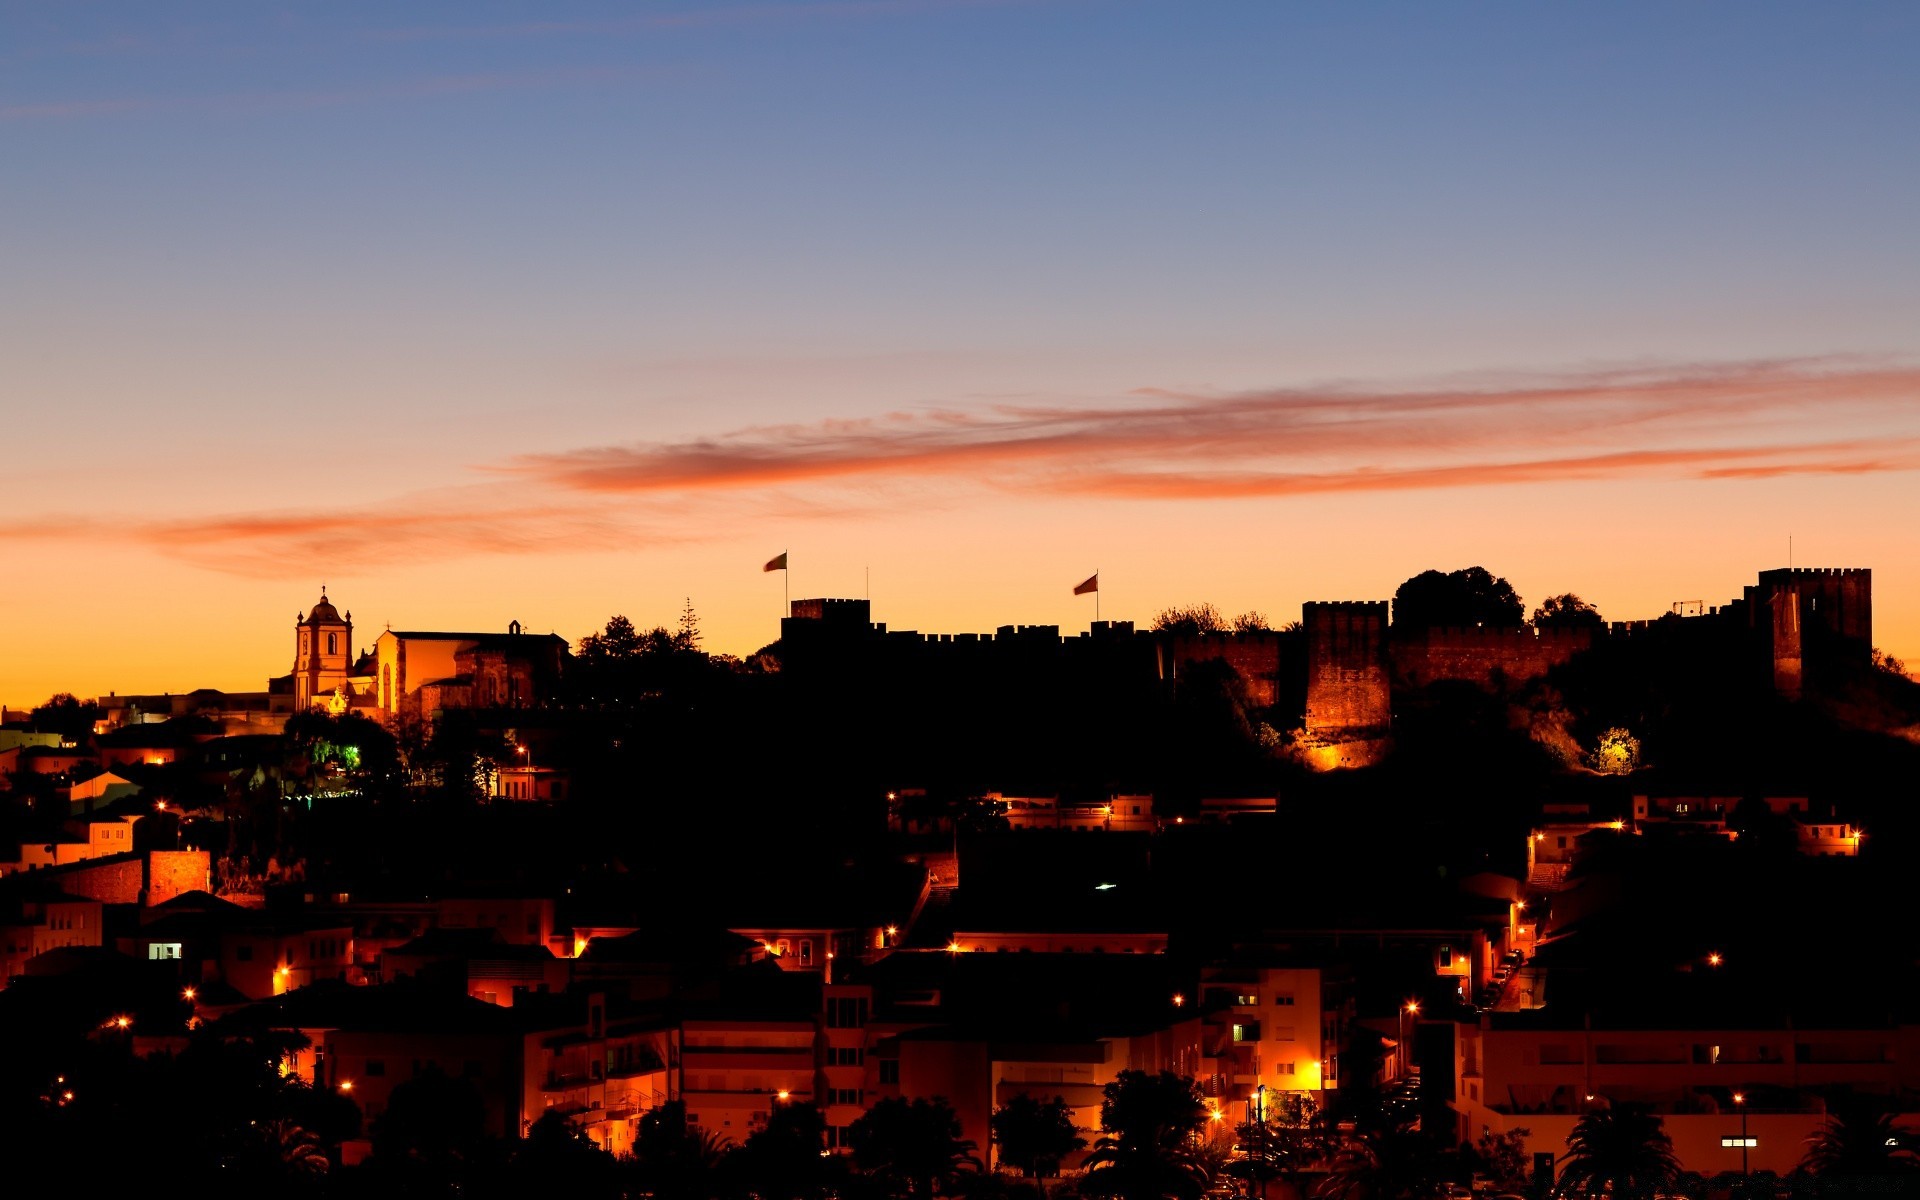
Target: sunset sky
x,y
486,311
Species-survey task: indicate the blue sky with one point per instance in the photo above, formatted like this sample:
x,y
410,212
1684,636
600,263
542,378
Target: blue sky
x,y
398,246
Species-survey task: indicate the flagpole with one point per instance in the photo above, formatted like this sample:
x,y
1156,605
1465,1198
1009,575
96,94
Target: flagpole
x,y
786,581
1096,596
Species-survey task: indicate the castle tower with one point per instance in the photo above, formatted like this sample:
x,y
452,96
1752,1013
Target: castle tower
x,y
1347,688
322,654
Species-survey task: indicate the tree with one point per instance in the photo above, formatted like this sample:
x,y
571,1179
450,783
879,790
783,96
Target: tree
x,y
1861,1138
1034,1135
673,1161
433,1132
1398,1162
1294,1138
1146,1150
557,1159
1252,621
911,1147
1189,619
1566,611
782,1160
687,637
1469,596
1617,753
1621,1152
1504,1158
71,718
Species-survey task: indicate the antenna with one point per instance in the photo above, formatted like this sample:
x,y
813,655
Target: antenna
x,y
1789,552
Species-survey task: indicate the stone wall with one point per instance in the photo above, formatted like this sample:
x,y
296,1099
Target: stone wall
x,y
1347,688
1489,656
1256,656
172,872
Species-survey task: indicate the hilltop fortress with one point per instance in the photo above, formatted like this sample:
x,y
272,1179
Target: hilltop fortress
x,y
1794,630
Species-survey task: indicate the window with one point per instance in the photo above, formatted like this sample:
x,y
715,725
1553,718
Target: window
x,y
843,1095
1246,1031
806,952
333,644
162,950
846,1012
1734,1143
1285,1068
1446,956
847,1056
890,1070
1247,1000
1284,1000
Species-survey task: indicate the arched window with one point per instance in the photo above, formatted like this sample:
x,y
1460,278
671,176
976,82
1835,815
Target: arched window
x,y
333,643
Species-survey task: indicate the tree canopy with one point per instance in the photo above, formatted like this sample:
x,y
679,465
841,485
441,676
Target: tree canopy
x,y
1469,596
1566,611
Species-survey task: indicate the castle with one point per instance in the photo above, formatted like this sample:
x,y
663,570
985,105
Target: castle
x,y
1798,629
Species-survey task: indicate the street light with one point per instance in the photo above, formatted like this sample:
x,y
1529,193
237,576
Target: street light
x,y
1410,1007
1740,1102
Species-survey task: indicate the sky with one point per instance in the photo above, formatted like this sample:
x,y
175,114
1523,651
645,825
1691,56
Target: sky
x,y
477,312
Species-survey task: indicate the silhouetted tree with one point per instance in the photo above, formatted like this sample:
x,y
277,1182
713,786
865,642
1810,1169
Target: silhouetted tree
x,y
1860,1138
557,1159
911,1147
1252,621
67,716
1146,1150
1469,596
1566,611
1622,1152
782,1159
432,1135
673,1161
1034,1135
1396,1163
1189,619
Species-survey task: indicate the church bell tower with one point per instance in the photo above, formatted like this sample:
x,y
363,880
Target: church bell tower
x,y
322,653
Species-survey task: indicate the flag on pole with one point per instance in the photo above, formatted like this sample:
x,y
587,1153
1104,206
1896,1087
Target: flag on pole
x,y
1091,585
778,563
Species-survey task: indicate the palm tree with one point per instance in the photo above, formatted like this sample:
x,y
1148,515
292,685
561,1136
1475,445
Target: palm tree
x,y
672,1160
1622,1152
1146,1151
911,1147
1396,1163
1860,1137
1034,1135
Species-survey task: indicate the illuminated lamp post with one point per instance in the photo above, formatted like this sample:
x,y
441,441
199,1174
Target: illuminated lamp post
x,y
1410,1007
1740,1102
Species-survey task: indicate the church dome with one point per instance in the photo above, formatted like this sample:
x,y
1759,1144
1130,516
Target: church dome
x,y
324,613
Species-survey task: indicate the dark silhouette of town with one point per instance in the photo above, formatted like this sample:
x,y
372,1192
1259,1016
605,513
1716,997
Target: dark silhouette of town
x,y
1425,896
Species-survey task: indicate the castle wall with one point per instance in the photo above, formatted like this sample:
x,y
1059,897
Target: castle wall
x,y
1487,656
1256,656
1347,683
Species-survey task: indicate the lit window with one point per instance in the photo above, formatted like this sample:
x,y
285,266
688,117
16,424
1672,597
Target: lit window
x,y
1736,1142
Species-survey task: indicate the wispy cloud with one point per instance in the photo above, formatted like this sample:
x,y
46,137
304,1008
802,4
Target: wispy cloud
x,y
1723,423
1708,422
297,100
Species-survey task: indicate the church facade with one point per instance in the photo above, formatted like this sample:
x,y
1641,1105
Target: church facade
x,y
418,673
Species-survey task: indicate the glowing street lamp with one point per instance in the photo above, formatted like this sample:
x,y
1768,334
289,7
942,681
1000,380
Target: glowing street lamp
x,y
1714,959
1740,1102
1410,1008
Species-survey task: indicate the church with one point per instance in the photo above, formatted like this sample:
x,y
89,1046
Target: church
x,y
417,673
